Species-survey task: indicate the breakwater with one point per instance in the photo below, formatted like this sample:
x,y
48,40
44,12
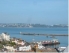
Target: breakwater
x,y
43,34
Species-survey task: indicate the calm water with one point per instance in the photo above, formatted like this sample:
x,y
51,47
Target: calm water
x,y
15,32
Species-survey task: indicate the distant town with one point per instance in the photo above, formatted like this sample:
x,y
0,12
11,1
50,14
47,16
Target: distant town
x,y
30,25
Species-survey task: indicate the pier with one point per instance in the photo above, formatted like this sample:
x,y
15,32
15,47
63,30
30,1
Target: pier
x,y
34,34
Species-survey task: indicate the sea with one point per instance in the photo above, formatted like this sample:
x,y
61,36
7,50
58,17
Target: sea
x,y
15,32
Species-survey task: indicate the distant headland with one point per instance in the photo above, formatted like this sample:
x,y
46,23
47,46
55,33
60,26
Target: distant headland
x,y
30,25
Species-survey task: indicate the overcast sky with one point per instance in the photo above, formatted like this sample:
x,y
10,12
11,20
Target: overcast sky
x,y
34,11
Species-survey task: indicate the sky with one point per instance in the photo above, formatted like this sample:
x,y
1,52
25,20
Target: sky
x,y
34,11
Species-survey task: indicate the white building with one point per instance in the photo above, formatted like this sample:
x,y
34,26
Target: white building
x,y
66,50
19,42
5,36
40,46
15,40
10,48
25,48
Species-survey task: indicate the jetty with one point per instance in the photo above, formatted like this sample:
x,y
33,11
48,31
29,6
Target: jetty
x,y
37,34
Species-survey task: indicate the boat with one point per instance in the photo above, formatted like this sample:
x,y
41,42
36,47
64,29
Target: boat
x,y
53,42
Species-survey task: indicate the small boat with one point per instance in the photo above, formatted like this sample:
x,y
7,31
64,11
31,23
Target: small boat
x,y
53,42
